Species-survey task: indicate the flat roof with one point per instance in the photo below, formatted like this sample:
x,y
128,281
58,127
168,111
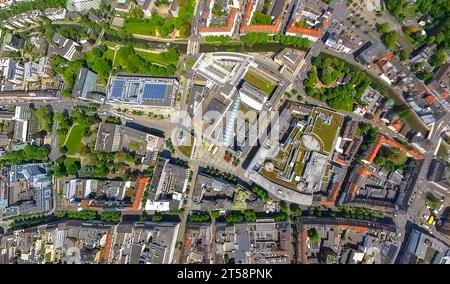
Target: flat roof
x,y
143,90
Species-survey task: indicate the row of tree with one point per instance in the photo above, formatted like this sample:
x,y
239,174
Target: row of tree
x,y
30,153
286,40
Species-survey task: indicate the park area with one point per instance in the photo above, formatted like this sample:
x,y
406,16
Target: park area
x,y
264,84
73,139
325,131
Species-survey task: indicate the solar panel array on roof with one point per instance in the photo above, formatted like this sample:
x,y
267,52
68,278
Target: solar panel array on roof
x,y
154,92
117,89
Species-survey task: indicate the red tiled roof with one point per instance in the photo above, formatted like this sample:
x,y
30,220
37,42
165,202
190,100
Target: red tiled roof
x,y
303,247
304,31
352,190
85,203
445,95
361,229
187,243
333,194
263,28
383,140
247,14
430,99
142,182
397,125
227,28
108,247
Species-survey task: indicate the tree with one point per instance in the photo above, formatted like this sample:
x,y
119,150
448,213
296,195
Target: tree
x,y
296,211
249,215
390,39
280,216
438,58
260,18
403,55
199,217
217,10
215,214
255,37
313,235
136,12
234,217
30,153
157,217
45,118
110,216
383,28
63,149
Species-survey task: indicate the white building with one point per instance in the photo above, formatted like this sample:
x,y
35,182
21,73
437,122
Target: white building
x,y
337,42
31,73
252,97
12,70
64,47
45,67
83,5
55,13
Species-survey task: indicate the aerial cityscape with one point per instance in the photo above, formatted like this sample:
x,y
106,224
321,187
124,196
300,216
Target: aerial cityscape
x,y
224,132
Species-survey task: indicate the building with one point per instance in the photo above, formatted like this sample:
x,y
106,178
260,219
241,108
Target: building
x,y
262,242
86,82
31,71
422,248
369,52
64,47
13,42
45,67
277,18
147,7
423,54
114,138
55,14
29,189
25,124
123,6
311,34
174,8
98,193
440,83
225,30
12,71
340,42
386,141
168,187
144,91
444,227
289,59
83,5
439,174
252,96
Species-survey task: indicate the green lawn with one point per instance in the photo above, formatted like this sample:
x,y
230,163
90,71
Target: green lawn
x,y
261,83
73,141
155,58
327,133
109,54
139,27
